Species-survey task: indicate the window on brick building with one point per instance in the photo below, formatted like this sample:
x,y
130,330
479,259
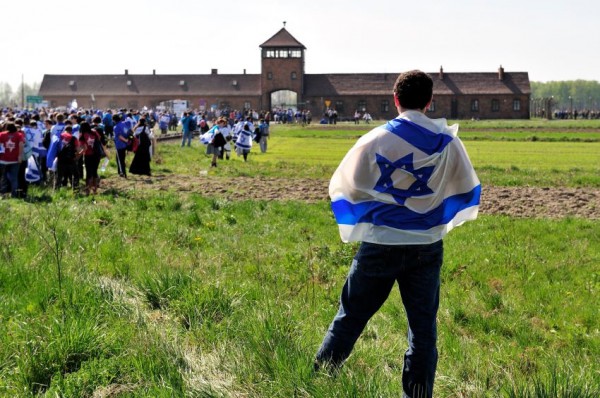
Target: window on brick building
x,y
362,105
475,105
516,104
385,106
294,75
269,76
296,53
339,106
431,107
495,105
247,105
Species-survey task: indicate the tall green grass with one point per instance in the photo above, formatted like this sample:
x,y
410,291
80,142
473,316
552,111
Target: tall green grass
x,y
166,294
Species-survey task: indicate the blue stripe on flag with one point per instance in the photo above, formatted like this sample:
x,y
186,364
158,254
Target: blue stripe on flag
x,y
32,172
419,137
400,217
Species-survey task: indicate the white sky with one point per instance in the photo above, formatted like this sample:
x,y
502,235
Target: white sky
x,y
550,39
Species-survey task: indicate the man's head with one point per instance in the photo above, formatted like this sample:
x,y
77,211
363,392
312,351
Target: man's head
x,y
413,90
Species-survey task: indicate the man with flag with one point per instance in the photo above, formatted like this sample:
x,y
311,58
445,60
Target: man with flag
x,y
399,191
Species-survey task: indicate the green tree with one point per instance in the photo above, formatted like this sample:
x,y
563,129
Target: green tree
x,y
585,94
11,98
5,94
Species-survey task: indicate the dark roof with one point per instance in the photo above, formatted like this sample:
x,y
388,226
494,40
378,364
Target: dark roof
x,y
383,84
152,85
283,38
249,85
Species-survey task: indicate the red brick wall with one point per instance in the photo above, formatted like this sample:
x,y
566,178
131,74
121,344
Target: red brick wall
x,y
280,70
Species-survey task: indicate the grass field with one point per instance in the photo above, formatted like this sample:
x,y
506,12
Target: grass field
x,y
141,293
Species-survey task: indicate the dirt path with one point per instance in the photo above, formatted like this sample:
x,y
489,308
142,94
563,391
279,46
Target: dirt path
x,y
529,202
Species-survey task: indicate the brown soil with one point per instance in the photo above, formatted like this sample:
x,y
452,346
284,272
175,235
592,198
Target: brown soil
x,y
529,202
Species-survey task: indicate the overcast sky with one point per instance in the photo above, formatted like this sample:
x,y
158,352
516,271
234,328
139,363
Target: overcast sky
x,y
552,40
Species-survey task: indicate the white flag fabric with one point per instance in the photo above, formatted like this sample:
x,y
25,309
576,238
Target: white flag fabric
x,y
32,171
244,140
409,181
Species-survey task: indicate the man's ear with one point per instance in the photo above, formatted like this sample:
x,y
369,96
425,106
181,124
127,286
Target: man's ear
x,y
396,101
429,103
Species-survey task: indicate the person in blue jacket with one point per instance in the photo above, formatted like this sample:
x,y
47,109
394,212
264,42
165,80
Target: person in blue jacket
x,y
121,138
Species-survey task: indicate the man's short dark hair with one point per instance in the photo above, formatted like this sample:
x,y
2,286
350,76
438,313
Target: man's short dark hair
x,y
413,89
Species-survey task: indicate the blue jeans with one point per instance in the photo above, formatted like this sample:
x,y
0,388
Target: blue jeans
x,y
10,177
375,269
187,136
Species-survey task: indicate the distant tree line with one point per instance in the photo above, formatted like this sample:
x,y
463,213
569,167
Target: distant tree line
x,y
580,95
16,98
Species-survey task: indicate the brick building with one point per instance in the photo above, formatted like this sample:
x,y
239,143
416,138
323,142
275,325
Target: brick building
x,y
284,83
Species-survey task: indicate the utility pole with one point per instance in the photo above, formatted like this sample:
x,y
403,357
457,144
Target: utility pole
x,y
22,92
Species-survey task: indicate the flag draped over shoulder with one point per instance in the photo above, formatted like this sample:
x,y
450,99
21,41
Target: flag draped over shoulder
x,y
407,182
57,129
32,172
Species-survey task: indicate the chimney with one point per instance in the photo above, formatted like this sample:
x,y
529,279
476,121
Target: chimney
x,y
244,71
153,72
500,73
441,73
126,72
213,71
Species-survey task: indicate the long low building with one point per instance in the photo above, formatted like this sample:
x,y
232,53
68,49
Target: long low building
x,y
283,83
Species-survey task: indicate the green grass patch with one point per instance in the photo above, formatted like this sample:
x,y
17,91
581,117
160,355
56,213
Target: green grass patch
x,y
179,295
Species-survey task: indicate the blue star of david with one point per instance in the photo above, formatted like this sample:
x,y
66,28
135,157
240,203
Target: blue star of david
x,y
385,184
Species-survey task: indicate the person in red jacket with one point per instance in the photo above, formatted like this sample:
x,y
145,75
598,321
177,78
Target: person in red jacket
x,y
12,144
90,143
68,153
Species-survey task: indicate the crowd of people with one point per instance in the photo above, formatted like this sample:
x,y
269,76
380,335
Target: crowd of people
x,y
576,114
66,148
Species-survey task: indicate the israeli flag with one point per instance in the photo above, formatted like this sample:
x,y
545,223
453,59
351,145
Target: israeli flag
x,y
244,140
52,151
32,171
37,143
407,182
207,137
57,129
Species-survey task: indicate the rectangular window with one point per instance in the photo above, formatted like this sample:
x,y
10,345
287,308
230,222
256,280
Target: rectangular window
x,y
296,53
339,106
269,76
385,106
283,53
516,105
475,105
294,75
270,54
247,105
431,107
495,105
362,105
